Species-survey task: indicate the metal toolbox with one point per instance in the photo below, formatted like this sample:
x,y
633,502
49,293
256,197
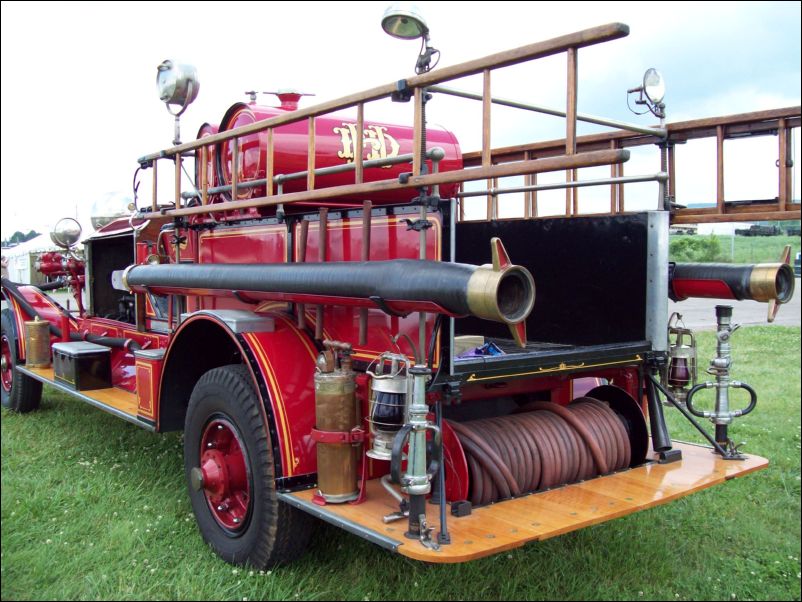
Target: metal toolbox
x,y
82,366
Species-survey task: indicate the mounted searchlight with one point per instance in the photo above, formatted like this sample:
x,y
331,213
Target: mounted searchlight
x,y
651,93
178,85
406,22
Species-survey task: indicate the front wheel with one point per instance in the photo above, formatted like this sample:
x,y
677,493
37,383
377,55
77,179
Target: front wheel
x,y
20,393
228,462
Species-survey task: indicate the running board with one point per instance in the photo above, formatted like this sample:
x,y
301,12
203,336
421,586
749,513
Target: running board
x,y
535,517
117,402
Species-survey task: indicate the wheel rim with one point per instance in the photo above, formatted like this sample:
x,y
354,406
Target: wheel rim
x,y
6,365
224,474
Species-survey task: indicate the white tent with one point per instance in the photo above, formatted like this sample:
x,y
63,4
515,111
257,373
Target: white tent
x,y
22,257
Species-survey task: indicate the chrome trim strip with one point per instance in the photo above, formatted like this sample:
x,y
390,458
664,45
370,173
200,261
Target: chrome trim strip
x,y
238,320
656,327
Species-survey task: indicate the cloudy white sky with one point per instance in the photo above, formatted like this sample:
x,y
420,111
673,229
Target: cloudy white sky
x,y
79,103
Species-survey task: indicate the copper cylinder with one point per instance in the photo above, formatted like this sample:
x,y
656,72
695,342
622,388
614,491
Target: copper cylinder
x,y
37,343
336,411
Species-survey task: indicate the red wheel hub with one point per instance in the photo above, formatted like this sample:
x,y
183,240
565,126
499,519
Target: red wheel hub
x,y
224,474
6,364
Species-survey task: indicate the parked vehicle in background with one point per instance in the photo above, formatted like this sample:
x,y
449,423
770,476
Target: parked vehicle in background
x,y
758,230
687,230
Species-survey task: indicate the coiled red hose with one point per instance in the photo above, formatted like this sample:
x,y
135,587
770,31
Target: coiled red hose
x,y
543,446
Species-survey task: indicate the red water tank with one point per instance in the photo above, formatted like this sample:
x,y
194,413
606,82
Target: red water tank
x,y
335,137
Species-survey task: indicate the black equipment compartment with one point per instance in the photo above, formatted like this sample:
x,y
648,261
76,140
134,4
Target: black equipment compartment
x,y
82,366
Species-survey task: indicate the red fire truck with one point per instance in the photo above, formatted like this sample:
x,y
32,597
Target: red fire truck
x,y
338,342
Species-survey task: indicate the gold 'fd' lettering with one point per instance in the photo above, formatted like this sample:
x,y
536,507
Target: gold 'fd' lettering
x,y
377,142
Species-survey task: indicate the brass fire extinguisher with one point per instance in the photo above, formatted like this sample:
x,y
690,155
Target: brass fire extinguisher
x,y
337,431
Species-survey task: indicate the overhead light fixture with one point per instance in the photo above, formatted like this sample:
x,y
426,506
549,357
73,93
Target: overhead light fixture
x,y
406,22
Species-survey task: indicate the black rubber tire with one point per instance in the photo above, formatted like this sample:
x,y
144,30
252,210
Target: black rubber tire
x,y
26,392
274,533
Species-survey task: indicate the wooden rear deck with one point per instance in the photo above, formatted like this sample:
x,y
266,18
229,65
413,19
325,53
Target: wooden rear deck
x,y
502,526
538,516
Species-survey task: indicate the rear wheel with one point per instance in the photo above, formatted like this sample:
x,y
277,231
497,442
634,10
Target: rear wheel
x,y
20,393
228,460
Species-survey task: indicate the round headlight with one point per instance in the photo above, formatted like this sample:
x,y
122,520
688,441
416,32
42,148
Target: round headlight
x,y
66,233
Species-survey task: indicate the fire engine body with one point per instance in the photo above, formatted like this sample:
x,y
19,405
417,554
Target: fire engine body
x,y
339,344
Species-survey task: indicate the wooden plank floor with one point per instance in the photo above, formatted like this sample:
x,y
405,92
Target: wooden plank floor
x,y
539,516
118,399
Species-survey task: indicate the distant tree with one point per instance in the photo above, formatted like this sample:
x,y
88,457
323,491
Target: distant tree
x,y
18,237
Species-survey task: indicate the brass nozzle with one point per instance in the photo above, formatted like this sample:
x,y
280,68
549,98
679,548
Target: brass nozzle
x,y
506,295
772,282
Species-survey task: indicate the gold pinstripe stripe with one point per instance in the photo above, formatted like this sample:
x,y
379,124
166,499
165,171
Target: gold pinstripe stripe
x,y
147,411
242,232
559,368
20,325
282,417
379,220
299,334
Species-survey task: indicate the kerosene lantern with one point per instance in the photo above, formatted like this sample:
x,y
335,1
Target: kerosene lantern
x,y
681,371
388,398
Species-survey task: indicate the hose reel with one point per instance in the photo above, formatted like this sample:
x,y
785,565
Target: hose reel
x,y
546,445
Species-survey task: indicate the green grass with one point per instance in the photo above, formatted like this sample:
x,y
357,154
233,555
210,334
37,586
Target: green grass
x,y
94,508
748,249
